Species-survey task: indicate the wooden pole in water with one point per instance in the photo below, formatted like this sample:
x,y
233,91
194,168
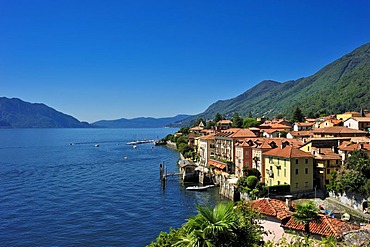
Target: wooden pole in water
x,y
160,172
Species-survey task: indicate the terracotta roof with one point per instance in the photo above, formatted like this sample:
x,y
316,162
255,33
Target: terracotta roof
x,y
305,124
327,154
327,226
236,133
196,128
301,133
288,151
243,133
279,126
225,122
207,137
349,146
271,207
361,119
337,130
218,164
270,131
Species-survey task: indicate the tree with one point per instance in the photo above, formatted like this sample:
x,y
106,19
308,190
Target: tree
x,y
250,122
218,117
237,121
306,213
210,124
298,115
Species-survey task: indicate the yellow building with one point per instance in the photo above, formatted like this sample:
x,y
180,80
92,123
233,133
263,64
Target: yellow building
x,y
326,160
289,165
347,115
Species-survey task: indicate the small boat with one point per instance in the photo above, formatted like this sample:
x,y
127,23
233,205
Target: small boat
x,y
97,145
197,188
134,146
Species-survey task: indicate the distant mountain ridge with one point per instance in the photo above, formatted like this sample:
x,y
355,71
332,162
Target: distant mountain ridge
x,y
340,86
142,122
16,113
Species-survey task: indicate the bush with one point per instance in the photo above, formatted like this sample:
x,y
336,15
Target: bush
x,y
252,181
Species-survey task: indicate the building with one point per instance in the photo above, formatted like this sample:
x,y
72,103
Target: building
x,y
289,165
347,115
326,159
358,123
330,123
303,126
206,148
337,131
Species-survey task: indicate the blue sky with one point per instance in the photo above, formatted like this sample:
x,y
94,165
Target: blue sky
x,y
112,59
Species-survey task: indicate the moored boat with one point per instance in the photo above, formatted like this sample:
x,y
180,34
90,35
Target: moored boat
x,y
197,188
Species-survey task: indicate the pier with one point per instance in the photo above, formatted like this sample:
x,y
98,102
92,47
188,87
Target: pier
x,y
140,142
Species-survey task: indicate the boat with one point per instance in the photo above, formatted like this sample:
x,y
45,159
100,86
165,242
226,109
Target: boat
x,y
197,188
97,145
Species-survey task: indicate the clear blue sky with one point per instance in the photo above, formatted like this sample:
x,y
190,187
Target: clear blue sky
x,y
111,59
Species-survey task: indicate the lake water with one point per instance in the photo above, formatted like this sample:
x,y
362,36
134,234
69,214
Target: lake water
x,y
53,193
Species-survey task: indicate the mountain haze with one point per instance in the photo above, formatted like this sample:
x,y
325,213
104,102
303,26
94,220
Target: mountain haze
x,y
341,86
15,113
142,122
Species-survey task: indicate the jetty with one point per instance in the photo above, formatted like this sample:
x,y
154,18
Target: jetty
x,y
140,142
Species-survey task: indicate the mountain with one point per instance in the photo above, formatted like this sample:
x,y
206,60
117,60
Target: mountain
x,y
15,113
341,86
142,122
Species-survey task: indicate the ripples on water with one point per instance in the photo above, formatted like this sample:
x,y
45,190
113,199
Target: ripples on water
x,y
54,193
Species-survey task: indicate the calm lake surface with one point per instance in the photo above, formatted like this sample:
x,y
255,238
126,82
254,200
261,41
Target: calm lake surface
x,y
53,193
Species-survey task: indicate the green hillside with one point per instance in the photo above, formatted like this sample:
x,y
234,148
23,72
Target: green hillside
x,y
340,86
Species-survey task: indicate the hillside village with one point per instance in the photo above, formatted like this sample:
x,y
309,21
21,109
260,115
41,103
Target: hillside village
x,y
299,159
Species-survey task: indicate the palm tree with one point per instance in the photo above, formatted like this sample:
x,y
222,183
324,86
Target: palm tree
x,y
306,213
210,226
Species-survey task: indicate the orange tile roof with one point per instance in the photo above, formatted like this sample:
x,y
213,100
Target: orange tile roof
x,y
337,130
207,137
327,154
348,146
225,122
305,124
243,133
288,151
361,119
271,207
301,133
326,227
217,164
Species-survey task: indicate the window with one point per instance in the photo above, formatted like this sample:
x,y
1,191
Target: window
x,y
306,161
327,181
296,185
270,160
278,161
337,162
306,184
327,171
284,172
306,170
284,162
278,182
296,171
296,161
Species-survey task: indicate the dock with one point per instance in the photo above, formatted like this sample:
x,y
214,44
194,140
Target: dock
x,y
140,142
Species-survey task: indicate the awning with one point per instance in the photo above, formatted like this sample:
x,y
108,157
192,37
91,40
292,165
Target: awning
x,y
217,164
